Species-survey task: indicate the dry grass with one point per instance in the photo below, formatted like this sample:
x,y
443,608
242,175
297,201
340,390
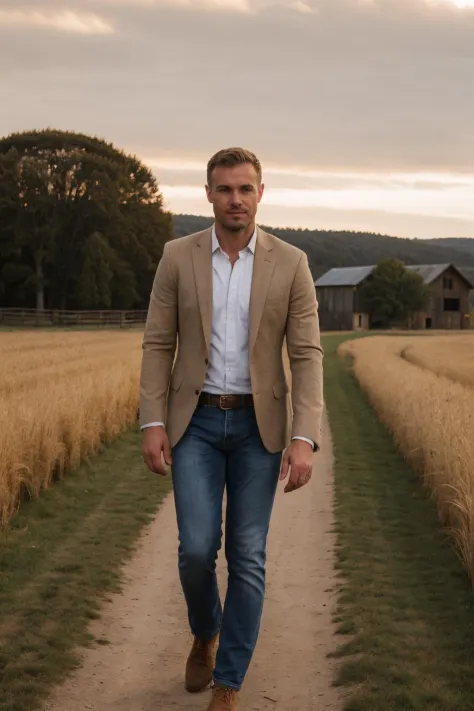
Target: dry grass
x,y
61,396
405,609
451,356
430,416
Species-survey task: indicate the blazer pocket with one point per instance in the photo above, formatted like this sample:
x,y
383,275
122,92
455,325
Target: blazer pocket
x,y
280,390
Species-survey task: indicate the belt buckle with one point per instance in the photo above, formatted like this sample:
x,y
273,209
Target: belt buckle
x,y
222,400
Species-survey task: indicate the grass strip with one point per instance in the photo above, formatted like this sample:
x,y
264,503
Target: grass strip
x,y
60,558
405,602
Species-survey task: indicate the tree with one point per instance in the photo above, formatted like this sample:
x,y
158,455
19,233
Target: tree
x,y
82,224
394,293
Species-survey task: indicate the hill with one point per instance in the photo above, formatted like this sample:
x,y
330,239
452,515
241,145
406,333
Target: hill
x,y
327,249
466,244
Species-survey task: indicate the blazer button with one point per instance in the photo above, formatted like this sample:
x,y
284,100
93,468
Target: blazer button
x,y
196,392
207,361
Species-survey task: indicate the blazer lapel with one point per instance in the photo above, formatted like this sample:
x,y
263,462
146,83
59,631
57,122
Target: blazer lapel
x,y
264,263
202,265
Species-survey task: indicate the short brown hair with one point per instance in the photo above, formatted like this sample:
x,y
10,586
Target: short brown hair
x,y
233,156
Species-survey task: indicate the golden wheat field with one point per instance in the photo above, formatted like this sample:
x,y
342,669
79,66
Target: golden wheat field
x,y
61,395
451,356
423,389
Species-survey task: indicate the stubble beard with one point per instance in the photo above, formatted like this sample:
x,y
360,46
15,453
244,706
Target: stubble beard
x,y
237,227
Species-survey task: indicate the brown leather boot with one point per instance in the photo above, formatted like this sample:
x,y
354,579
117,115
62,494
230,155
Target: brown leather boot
x,y
200,664
223,699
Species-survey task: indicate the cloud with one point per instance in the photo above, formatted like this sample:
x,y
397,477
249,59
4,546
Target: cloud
x,y
258,4
62,20
187,167
213,5
179,5
303,7
462,4
299,194
349,86
331,94
454,203
339,218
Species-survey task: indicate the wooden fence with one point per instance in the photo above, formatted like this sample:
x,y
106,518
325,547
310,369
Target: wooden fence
x,y
55,318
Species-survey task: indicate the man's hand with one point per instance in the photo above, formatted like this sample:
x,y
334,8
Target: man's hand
x,y
298,460
156,447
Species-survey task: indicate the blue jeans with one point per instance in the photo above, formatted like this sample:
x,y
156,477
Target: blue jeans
x,y
223,450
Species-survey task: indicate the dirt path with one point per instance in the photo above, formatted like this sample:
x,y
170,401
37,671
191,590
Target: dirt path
x,y
141,667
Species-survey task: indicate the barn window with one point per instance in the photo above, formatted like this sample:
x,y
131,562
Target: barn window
x,y
447,284
452,305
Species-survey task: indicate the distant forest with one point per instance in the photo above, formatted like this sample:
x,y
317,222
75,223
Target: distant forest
x,y
327,249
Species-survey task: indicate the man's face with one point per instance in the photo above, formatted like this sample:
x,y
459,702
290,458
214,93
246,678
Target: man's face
x,y
235,193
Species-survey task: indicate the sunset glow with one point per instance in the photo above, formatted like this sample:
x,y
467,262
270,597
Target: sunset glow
x,y
359,110
463,3
454,203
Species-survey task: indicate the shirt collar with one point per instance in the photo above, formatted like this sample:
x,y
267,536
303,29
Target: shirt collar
x,y
215,242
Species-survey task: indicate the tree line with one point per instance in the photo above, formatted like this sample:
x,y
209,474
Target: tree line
x,y
82,226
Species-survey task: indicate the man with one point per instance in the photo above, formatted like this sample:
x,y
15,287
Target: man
x,y
220,412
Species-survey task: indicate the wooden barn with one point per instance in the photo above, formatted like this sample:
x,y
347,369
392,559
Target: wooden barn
x,y
341,306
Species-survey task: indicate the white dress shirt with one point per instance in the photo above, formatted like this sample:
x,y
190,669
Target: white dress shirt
x,y
228,371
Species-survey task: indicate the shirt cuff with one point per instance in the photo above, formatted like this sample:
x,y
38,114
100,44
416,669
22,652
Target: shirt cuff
x,y
305,439
152,424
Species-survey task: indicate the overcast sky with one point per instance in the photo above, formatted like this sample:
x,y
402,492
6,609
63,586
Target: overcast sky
x,y
361,111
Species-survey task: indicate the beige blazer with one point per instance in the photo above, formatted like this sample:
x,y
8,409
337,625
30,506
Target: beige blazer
x,y
178,332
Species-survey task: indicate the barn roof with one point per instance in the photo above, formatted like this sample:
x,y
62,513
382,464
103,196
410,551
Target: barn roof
x,y
344,276
353,276
429,272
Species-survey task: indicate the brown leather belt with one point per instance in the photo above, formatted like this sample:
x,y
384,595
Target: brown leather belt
x,y
225,402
